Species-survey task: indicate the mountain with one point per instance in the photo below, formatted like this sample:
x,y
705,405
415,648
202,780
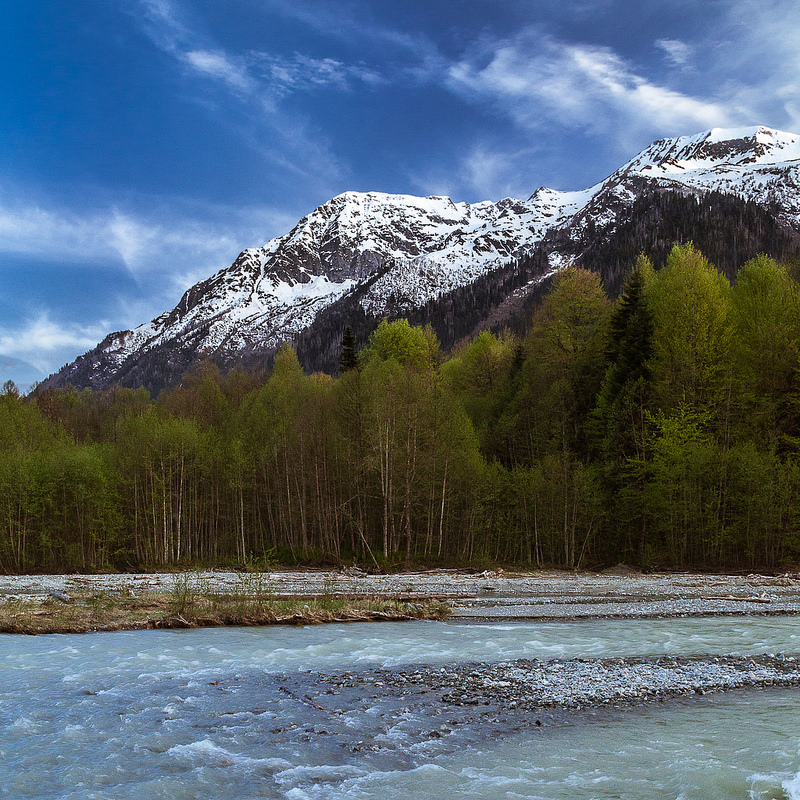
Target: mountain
x,y
360,257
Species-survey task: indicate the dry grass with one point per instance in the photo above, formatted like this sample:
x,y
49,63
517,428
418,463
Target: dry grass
x,y
184,607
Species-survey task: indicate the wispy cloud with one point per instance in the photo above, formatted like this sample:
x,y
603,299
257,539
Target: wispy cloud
x,y
268,77
95,237
164,256
302,73
353,23
486,170
754,50
538,80
254,74
677,53
219,65
41,341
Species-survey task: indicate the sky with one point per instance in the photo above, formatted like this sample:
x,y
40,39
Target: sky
x,y
145,143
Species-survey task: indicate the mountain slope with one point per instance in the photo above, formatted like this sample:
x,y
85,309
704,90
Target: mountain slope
x,y
726,229
374,254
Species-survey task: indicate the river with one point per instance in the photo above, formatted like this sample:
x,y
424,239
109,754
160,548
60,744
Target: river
x,y
222,713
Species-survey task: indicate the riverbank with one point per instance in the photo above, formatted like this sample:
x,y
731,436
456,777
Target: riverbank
x,y
189,606
496,595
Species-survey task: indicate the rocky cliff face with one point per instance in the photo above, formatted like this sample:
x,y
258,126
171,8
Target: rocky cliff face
x,y
396,253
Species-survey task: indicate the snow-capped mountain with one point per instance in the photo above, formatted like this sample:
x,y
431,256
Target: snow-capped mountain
x,y
758,164
398,252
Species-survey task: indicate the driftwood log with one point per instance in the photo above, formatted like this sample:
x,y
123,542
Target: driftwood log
x,y
739,599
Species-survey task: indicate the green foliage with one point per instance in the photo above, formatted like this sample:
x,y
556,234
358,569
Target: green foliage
x,y
483,378
691,307
183,595
412,347
563,368
660,430
766,353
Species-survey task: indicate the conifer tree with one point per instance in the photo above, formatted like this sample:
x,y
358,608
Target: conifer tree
x,y
620,419
623,397
349,357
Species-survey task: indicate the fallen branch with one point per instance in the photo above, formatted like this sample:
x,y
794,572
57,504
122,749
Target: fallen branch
x,y
739,599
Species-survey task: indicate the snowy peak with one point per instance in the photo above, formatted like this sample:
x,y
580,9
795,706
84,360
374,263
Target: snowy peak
x,y
718,147
411,248
758,164
394,226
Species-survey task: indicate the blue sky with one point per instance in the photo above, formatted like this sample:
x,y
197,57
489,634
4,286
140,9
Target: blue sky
x,y
145,143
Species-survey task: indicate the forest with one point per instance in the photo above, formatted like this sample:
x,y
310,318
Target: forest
x,y
660,429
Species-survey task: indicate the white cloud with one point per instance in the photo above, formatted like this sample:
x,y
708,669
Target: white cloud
x,y
44,343
101,236
303,72
677,53
485,169
129,238
145,247
538,80
267,76
163,22
220,65
492,173
33,230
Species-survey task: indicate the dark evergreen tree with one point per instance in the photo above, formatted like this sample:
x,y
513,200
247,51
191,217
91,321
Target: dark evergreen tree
x,y
349,357
620,421
630,338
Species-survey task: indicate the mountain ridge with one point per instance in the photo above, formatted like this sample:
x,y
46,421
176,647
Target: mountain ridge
x,y
399,253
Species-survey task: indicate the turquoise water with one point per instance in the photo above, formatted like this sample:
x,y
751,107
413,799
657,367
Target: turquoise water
x,y
207,714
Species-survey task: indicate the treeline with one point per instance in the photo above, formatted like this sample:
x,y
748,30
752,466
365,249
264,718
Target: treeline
x,y
660,429
727,229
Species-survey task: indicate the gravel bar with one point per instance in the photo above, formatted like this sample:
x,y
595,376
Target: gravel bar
x,y
534,685
542,595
